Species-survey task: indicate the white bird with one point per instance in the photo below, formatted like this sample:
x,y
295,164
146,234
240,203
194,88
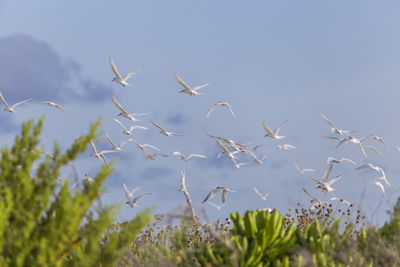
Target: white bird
x,y
118,147
133,203
11,108
125,114
231,143
259,160
301,171
118,78
220,103
51,104
315,201
215,191
188,90
226,152
374,149
127,131
187,157
354,140
273,134
261,196
100,154
379,184
163,131
325,186
218,207
377,169
148,155
375,137
285,147
129,193
334,129
330,160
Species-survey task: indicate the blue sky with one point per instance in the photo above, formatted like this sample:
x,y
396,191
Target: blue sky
x,y
272,60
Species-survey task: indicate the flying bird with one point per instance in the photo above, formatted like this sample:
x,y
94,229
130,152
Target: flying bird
x,y
377,169
133,203
301,171
125,114
129,193
354,140
118,78
188,90
324,185
285,147
118,147
127,131
215,191
330,160
163,131
334,129
273,134
148,155
375,137
100,154
261,196
187,157
221,103
51,104
11,108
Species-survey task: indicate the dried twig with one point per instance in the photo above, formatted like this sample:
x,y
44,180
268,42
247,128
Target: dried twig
x,y
187,196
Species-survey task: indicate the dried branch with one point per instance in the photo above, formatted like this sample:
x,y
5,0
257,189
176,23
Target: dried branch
x,y
187,196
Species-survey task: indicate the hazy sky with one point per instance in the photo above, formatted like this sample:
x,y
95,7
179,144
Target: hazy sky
x,y
272,60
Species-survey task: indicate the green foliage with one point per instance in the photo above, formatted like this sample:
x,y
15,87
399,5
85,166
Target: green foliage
x,y
43,224
259,239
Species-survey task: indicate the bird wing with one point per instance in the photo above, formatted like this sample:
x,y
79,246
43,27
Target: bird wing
x,y
120,123
118,105
135,189
111,142
20,102
151,146
348,160
277,129
266,127
210,110
258,193
114,68
130,74
196,156
326,173
127,192
375,150
2,99
211,194
230,108
200,86
309,194
329,137
224,195
174,134
362,149
329,122
297,167
362,167
133,127
315,179
334,180
136,199
130,140
61,108
380,186
158,126
180,81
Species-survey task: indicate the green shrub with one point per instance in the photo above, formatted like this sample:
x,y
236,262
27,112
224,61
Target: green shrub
x,y
44,224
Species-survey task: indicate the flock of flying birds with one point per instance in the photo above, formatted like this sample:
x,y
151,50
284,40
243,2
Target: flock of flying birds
x,y
229,147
